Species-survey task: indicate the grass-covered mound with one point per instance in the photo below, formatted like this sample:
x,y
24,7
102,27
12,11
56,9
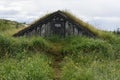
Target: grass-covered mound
x,y
83,58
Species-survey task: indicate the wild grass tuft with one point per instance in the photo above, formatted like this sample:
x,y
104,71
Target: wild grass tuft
x,y
36,67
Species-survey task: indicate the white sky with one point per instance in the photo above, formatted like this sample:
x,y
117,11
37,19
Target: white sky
x,y
104,14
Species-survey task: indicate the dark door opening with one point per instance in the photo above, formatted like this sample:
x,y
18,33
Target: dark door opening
x,y
58,28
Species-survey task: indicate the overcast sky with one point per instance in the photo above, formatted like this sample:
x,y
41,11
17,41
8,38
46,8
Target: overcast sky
x,y
104,14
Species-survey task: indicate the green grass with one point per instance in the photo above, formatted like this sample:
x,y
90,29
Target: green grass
x,y
7,24
12,46
8,28
24,58
95,70
35,67
84,58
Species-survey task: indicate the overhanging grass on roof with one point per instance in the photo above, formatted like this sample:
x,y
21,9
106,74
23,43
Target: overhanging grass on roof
x,y
97,32
91,28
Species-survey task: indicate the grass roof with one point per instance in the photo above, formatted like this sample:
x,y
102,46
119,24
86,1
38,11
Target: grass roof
x,y
90,27
84,24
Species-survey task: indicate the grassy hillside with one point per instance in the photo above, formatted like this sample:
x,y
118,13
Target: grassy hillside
x,y
54,58
7,24
8,27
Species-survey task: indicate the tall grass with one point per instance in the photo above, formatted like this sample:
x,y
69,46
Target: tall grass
x,y
36,67
12,46
96,70
87,46
84,58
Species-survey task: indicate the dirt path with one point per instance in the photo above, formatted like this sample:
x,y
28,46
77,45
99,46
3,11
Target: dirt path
x,y
56,65
57,69
57,57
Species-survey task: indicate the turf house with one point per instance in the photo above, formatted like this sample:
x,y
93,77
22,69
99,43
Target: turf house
x,y
59,23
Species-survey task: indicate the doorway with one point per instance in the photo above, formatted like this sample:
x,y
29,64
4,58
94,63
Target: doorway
x,y
58,28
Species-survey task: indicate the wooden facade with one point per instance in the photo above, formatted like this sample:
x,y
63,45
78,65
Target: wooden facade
x,y
56,23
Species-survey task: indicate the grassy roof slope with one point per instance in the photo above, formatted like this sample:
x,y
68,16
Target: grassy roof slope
x,y
40,19
97,32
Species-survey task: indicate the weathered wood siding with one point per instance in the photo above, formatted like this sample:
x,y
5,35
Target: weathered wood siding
x,y
56,25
